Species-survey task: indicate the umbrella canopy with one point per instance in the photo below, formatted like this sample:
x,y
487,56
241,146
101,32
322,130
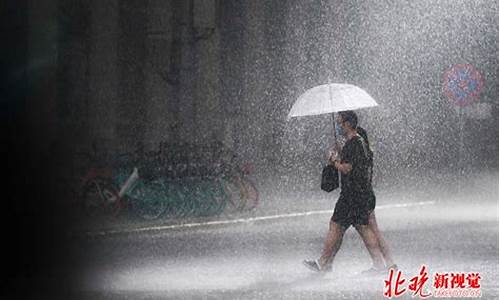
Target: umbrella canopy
x,y
330,98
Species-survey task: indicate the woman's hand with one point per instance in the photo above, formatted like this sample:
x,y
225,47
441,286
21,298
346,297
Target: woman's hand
x,y
333,156
344,168
338,146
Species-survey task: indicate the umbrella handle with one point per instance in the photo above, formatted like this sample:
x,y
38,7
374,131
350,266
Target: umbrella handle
x,y
334,129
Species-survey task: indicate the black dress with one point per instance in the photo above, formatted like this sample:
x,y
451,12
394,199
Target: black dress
x,y
356,195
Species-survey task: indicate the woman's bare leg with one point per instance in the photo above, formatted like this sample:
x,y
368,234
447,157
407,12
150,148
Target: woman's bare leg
x,y
332,244
384,247
371,243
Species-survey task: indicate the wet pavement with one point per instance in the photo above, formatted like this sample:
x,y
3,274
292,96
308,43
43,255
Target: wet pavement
x,y
261,258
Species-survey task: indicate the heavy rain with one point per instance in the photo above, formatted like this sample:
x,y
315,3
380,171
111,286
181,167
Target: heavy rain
x,y
153,156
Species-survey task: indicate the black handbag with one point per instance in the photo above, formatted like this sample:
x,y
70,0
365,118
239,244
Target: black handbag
x,y
329,178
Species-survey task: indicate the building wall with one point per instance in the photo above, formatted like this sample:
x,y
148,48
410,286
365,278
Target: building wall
x,y
139,73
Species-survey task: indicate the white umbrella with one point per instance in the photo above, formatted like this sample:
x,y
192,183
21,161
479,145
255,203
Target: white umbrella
x,y
331,98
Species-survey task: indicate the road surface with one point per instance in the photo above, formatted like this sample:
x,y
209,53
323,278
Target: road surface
x,y
259,256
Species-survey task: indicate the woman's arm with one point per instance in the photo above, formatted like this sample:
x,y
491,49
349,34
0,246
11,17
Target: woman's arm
x,y
344,168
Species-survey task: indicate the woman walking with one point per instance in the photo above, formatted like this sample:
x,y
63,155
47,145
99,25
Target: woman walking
x,y
356,202
372,220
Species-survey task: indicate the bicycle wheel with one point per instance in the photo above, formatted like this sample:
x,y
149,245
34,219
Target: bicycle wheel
x,y
188,204
200,200
176,208
210,198
148,201
218,198
100,197
250,194
234,200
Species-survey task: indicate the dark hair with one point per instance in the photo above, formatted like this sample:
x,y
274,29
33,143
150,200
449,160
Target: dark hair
x,y
350,117
362,132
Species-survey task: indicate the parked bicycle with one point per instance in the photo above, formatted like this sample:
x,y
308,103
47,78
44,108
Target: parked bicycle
x,y
241,191
107,191
151,185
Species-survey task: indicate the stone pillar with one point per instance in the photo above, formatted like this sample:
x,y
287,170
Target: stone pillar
x,y
41,69
208,114
104,88
131,110
160,86
73,72
231,39
255,69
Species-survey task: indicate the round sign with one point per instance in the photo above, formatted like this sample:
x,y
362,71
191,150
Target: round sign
x,y
462,84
